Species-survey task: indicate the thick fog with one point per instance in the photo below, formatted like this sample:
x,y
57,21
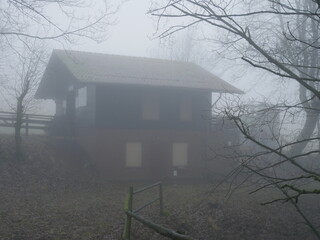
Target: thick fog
x,y
134,32
195,118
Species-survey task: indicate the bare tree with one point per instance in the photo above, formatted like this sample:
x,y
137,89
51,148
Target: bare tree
x,y
21,85
187,46
281,38
26,22
180,47
53,19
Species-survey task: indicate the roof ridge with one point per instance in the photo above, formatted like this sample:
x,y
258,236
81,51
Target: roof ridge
x,y
98,67
124,56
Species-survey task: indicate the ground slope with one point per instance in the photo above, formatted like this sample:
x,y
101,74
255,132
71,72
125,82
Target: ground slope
x,y
55,193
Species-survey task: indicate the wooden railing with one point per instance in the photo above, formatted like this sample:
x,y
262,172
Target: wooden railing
x,y
29,121
132,213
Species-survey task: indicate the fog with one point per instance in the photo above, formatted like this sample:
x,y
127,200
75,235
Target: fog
x,y
133,32
139,119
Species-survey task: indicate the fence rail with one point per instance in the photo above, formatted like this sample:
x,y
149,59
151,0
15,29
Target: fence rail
x,y
29,121
132,213
167,232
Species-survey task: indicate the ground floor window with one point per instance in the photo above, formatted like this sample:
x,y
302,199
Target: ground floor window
x,y
179,154
133,154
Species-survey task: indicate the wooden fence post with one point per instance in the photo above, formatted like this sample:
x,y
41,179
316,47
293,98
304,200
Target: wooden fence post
x,y
160,199
128,207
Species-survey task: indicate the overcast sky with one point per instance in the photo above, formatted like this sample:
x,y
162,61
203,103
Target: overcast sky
x,y
131,35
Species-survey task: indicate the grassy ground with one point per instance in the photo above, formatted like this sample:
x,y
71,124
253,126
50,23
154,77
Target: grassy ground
x,y
48,197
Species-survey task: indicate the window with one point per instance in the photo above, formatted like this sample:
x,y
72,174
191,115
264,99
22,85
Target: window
x,y
64,106
81,97
133,154
150,108
179,154
185,109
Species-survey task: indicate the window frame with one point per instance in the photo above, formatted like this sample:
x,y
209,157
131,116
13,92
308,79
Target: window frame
x,y
151,103
185,109
139,153
185,147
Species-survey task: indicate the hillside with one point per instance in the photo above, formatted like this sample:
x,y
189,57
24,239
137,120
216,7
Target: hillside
x,y
56,194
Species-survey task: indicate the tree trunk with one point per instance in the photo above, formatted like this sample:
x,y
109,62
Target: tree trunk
x,y
308,129
311,107
17,134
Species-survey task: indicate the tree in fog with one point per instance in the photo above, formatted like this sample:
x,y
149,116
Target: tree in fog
x,y
65,21
25,23
20,86
282,39
62,20
182,46
187,46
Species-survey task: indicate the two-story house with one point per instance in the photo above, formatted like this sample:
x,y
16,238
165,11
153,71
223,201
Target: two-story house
x,y
137,118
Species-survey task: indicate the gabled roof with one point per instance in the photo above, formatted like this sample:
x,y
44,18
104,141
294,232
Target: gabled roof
x,y
89,67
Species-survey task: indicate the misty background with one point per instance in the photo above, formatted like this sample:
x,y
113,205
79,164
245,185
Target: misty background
x,y
133,32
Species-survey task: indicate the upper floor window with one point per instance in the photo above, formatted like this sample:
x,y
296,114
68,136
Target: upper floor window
x,y
133,154
150,107
179,154
81,97
185,109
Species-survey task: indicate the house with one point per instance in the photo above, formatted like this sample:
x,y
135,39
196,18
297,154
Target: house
x,y
137,118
